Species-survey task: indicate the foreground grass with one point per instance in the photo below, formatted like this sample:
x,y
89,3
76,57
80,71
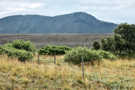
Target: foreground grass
x,y
110,75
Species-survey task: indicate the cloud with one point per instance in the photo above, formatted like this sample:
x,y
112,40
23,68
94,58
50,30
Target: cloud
x,y
109,10
17,6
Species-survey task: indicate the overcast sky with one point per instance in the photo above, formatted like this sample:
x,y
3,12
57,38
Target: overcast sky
x,y
117,11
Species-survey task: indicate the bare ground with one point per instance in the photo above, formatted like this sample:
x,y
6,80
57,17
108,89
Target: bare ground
x,y
56,39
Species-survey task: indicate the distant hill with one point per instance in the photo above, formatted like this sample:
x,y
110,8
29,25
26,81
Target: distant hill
x,y
78,22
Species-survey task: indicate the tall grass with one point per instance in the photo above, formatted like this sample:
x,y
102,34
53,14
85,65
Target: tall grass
x,y
110,75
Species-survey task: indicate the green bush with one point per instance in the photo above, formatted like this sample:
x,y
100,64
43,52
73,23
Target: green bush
x,y
1,50
22,55
23,50
24,45
96,45
54,50
108,44
107,55
75,55
8,45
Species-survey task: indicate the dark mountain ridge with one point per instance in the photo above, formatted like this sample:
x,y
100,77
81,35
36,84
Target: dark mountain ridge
x,y
78,22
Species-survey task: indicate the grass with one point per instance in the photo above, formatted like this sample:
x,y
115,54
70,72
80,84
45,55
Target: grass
x,y
110,75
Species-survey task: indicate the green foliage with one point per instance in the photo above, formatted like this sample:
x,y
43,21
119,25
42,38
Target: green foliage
x,y
126,31
24,45
77,54
127,34
23,50
108,44
8,45
122,43
54,50
22,55
107,55
1,50
96,45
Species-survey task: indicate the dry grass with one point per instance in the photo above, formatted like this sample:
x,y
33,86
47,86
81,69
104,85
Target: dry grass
x,y
110,75
40,40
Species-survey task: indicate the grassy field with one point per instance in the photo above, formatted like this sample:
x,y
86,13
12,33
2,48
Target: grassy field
x,y
72,40
110,75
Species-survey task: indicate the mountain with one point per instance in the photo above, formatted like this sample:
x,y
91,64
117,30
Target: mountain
x,y
78,22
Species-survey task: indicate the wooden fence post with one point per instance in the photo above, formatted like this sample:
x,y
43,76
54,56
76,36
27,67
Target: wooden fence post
x,y
38,59
54,59
83,74
12,88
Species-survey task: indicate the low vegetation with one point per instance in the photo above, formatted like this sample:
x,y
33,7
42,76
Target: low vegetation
x,y
23,50
54,50
116,75
22,55
76,55
80,68
24,45
106,55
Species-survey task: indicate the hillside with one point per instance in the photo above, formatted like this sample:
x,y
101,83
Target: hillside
x,y
78,22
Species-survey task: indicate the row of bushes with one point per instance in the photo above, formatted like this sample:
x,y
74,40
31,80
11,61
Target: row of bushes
x,y
24,50
76,55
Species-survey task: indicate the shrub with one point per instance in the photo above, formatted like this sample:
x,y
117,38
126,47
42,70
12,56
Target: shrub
x,y
22,55
8,45
108,44
54,50
1,50
75,55
23,50
107,55
24,45
96,45
11,51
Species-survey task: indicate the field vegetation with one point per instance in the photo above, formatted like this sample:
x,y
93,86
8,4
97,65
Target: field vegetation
x,y
110,75
109,65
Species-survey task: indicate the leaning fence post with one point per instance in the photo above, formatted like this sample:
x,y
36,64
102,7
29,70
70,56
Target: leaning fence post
x,y
83,74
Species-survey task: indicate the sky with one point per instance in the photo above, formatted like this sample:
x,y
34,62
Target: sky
x,y
117,11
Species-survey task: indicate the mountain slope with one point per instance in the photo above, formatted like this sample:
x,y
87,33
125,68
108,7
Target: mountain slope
x,y
70,23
